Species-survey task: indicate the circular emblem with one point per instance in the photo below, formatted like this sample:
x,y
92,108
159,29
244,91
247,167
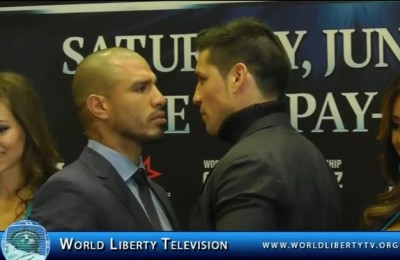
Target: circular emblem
x,y
25,239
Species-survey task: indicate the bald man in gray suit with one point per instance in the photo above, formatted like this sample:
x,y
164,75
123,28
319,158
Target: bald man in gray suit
x,y
121,110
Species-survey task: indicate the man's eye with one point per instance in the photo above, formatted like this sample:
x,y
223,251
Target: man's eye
x,y
201,79
395,125
140,88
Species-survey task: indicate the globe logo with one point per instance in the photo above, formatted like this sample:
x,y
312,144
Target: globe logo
x,y
25,240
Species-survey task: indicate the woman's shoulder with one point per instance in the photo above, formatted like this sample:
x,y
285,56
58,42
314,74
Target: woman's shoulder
x,y
28,210
393,223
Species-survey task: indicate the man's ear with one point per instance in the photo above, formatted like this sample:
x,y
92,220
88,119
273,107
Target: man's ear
x,y
238,76
96,104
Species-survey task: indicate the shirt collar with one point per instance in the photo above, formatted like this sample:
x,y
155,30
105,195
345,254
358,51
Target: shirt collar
x,y
122,165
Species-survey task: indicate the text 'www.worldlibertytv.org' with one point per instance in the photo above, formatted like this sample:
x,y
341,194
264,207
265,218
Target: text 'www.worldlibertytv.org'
x,y
270,245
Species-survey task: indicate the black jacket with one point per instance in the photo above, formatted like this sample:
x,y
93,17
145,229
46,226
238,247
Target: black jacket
x,y
273,178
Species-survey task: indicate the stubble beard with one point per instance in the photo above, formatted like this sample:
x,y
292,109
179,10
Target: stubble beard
x,y
142,139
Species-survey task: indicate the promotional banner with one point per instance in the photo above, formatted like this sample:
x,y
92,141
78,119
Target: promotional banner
x,y
343,56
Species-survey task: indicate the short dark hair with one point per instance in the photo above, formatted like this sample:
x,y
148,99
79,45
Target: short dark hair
x,y
252,42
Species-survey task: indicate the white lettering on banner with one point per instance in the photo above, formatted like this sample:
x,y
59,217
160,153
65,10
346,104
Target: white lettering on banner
x,y
291,50
335,164
208,164
384,38
172,114
330,110
358,103
339,176
71,53
187,52
183,60
182,48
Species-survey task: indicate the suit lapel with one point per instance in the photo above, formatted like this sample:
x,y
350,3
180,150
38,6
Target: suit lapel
x,y
162,197
110,178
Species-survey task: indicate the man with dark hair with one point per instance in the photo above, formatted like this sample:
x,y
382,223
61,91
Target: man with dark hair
x,y
272,178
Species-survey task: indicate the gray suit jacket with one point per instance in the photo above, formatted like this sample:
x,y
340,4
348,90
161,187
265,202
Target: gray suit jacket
x,y
90,195
273,178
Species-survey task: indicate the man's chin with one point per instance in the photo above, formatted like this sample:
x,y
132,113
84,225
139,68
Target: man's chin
x,y
153,139
211,132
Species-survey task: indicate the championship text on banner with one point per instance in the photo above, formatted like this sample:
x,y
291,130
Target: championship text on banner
x,y
133,245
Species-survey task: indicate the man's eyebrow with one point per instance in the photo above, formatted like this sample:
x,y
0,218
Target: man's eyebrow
x,y
144,81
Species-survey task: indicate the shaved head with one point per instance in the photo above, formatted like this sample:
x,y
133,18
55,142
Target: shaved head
x,y
97,74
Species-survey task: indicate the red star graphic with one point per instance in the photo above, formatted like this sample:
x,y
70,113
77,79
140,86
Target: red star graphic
x,y
150,172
